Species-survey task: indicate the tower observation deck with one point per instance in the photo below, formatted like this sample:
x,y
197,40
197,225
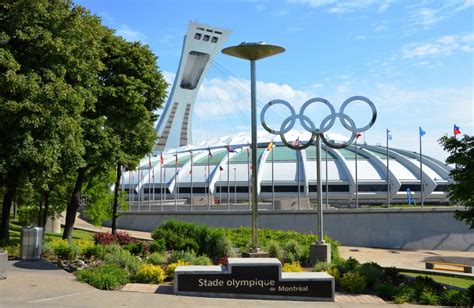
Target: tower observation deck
x,y
200,45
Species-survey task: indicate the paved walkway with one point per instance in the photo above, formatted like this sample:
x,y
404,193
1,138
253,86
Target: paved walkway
x,y
42,284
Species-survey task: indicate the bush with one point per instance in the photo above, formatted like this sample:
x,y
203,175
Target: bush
x,y
172,267
180,255
454,298
428,297
83,244
201,260
372,272
123,238
470,292
404,294
292,267
274,250
124,259
104,277
157,246
136,249
103,238
322,267
334,272
386,290
424,283
149,273
353,282
65,250
47,251
96,251
293,251
157,258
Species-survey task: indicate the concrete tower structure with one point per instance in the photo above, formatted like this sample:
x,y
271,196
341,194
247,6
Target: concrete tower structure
x,y
200,46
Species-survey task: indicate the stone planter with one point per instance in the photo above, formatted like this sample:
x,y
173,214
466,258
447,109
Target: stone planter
x,y
3,263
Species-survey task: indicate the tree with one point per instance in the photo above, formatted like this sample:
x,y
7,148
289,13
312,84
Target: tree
x,y
133,89
47,79
462,190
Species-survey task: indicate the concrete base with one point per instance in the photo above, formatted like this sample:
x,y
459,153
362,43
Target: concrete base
x,y
3,263
54,224
319,253
260,254
292,204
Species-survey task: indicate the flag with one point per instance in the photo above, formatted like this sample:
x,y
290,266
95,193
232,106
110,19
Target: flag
x,y
457,130
230,149
389,137
296,143
190,171
177,161
422,132
358,135
149,162
248,151
210,154
270,146
162,161
221,168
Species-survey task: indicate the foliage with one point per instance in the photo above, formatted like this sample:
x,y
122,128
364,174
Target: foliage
x,y
149,273
123,238
428,297
201,260
172,267
65,250
470,292
107,276
104,238
461,154
292,267
348,265
274,250
28,215
124,259
293,251
158,245
96,251
334,272
156,258
83,244
454,298
181,255
322,266
138,248
425,284
386,290
404,294
353,282
99,197
372,272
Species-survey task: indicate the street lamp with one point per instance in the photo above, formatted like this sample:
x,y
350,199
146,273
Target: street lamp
x,y
253,52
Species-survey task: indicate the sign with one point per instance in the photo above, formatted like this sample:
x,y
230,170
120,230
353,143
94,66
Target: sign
x,y
253,278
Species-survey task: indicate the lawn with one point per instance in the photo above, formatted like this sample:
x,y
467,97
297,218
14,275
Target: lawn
x,y
459,282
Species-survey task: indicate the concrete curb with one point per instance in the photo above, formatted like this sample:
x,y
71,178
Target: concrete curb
x,y
3,263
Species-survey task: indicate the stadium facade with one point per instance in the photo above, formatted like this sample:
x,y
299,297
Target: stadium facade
x,y
218,171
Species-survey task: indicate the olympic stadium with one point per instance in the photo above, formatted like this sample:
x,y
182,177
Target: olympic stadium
x,y
216,173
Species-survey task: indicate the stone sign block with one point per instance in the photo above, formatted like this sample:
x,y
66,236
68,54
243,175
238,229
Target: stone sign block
x,y
253,278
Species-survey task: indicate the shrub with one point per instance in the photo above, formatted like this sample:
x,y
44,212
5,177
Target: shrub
x,y
428,297
454,298
404,294
104,277
111,249
292,267
202,260
124,259
470,292
322,267
47,251
96,251
353,282
293,251
274,250
149,273
180,255
157,246
13,250
172,267
221,248
65,251
137,248
123,238
83,244
334,272
103,238
386,290
156,258
372,272
425,283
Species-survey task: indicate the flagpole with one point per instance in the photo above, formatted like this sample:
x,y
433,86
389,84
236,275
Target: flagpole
x,y
165,185
356,177
388,184
228,178
129,190
248,175
176,182
327,186
161,184
149,179
140,190
235,187
273,177
192,188
208,181
298,153
220,186
153,178
421,174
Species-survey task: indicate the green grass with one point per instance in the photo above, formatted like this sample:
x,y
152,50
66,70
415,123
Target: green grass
x,y
15,233
459,282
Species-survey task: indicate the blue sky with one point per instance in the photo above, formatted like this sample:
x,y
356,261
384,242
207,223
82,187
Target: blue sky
x,y
413,59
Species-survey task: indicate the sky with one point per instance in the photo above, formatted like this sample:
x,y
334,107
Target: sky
x,y
413,59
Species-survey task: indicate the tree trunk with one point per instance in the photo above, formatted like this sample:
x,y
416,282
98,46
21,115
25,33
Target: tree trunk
x,y
46,209
74,204
39,213
12,185
116,197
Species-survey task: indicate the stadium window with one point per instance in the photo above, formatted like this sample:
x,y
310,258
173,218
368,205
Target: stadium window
x,y
206,38
197,36
372,188
214,39
218,32
441,188
413,187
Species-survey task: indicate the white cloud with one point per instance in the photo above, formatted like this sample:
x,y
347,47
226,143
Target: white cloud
x,y
427,17
360,37
346,6
129,34
443,46
260,7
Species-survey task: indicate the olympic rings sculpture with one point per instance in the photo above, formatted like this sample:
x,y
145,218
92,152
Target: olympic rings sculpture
x,y
325,125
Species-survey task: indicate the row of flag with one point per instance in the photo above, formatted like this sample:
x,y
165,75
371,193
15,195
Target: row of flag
x,y
456,131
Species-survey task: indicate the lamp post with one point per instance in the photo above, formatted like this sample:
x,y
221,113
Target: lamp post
x,y
253,52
